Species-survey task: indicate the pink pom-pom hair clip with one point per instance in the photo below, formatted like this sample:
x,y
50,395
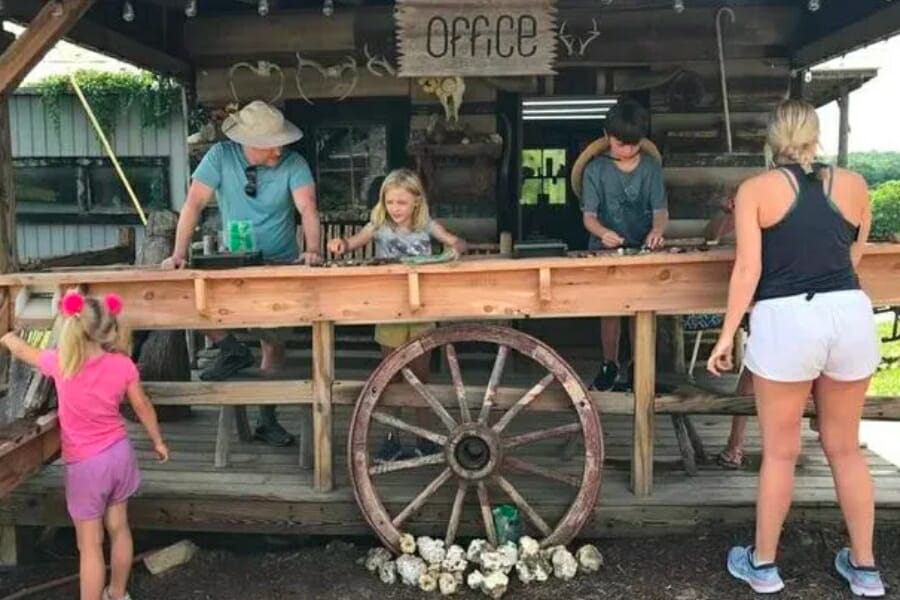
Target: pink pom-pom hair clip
x,y
71,304
113,304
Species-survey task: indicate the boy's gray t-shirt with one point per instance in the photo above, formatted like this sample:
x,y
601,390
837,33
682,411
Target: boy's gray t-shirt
x,y
397,243
624,202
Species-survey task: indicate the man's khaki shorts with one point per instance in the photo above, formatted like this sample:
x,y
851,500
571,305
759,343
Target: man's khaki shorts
x,y
394,335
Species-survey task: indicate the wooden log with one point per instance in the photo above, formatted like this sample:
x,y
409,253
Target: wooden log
x,y
323,380
223,436
26,445
118,254
644,397
54,21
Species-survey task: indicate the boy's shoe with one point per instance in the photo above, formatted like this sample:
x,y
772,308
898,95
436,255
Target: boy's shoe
x,y
764,579
233,357
863,581
606,377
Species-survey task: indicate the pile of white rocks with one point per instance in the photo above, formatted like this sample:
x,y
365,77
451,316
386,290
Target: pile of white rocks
x,y
427,564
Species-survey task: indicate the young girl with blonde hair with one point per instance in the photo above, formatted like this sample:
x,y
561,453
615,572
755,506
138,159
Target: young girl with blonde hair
x,y
401,226
801,228
93,374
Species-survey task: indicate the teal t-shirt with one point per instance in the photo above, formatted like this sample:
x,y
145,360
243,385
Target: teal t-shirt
x,y
271,212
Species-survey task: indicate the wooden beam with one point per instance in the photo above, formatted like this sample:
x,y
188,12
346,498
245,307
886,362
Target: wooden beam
x,y
120,254
644,398
881,23
25,447
54,20
844,129
323,428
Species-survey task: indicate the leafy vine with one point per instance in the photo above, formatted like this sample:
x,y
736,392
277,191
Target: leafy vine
x,y
111,94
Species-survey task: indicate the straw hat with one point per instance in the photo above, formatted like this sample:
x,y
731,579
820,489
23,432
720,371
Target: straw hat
x,y
595,149
260,125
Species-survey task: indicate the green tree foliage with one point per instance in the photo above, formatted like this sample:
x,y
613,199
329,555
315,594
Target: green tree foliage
x,y
886,211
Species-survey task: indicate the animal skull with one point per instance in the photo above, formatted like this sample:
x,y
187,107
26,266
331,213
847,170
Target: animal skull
x,y
335,73
450,91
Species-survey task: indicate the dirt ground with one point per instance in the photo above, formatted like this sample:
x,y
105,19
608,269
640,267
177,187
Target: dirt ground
x,y
674,568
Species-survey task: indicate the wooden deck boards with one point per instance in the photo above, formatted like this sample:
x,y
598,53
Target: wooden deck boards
x,y
263,489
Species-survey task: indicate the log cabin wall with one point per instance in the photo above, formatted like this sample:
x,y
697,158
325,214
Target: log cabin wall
x,y
667,59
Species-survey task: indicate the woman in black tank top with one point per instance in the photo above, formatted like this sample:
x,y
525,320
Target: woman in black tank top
x,y
800,227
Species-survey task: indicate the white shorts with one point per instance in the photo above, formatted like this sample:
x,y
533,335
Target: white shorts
x,y
794,339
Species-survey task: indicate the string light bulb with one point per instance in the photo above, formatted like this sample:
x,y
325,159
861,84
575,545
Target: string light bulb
x,y
190,9
814,5
127,11
58,9
328,8
678,6
808,76
263,8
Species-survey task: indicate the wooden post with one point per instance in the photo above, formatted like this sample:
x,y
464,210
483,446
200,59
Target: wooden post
x,y
844,129
55,19
323,380
9,548
644,397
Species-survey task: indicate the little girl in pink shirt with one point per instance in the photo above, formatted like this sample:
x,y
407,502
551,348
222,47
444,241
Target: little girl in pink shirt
x,y
93,374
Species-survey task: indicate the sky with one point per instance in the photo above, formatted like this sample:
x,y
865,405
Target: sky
x,y
874,123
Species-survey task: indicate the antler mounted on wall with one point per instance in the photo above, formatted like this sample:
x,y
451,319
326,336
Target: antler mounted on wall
x,y
334,73
373,62
569,40
262,68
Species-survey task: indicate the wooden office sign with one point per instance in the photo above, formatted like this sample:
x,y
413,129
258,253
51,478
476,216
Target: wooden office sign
x,y
476,38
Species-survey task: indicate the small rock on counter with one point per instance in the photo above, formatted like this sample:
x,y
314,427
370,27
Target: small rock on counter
x,y
495,584
410,568
455,560
377,557
428,582
448,583
589,558
564,565
431,550
387,572
407,544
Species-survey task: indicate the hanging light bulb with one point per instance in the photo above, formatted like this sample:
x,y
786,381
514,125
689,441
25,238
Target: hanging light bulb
x,y
328,8
808,76
58,9
190,9
814,5
678,6
127,11
263,7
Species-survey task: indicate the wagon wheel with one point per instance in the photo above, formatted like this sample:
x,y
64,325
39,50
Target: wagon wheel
x,y
477,457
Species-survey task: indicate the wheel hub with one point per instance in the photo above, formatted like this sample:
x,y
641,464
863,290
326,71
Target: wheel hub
x,y
473,451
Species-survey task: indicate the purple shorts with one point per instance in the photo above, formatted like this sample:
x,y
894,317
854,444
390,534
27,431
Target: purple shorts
x,y
98,482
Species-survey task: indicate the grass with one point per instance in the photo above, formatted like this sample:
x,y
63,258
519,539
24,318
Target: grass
x,y
887,380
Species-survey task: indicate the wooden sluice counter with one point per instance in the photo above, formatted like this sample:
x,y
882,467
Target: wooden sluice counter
x,y
663,283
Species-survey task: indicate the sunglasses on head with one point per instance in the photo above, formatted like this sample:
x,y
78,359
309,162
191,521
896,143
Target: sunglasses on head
x,y
250,188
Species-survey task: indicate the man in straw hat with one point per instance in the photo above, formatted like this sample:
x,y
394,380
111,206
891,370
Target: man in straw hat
x,y
258,183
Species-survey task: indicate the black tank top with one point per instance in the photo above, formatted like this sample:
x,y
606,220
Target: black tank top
x,y
808,250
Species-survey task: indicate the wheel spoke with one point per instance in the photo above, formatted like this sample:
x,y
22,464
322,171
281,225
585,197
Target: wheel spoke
x,y
486,515
456,513
435,404
517,464
523,505
419,501
523,402
542,434
392,421
490,393
458,384
405,465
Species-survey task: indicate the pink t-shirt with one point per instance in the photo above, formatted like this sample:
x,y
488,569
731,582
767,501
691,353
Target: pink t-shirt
x,y
89,416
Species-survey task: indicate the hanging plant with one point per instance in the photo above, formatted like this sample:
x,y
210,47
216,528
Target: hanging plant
x,y
111,94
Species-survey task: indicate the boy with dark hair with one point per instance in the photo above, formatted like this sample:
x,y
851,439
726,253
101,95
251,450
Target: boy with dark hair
x,y
624,206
